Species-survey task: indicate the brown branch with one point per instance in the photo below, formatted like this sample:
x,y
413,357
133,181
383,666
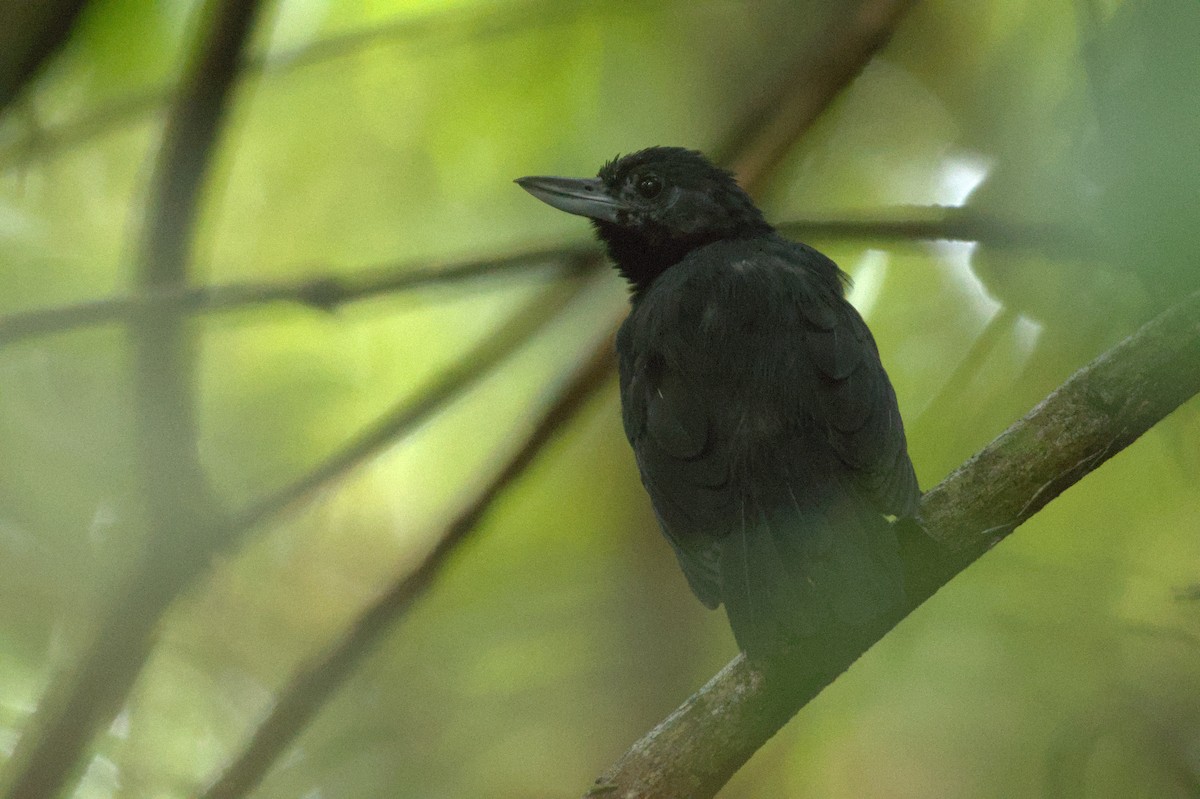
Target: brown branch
x,y
313,685
180,507
1099,411
324,293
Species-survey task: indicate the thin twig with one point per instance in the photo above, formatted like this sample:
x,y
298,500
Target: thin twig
x,y
313,685
969,366
180,507
324,293
1100,410
943,223
331,291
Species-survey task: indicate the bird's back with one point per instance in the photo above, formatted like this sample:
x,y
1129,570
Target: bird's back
x,y
768,438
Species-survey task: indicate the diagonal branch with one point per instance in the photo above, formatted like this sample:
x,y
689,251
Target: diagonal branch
x,y
852,37
311,687
180,508
409,414
1099,411
951,391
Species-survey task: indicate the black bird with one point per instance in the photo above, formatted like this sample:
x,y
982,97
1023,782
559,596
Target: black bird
x,y
764,425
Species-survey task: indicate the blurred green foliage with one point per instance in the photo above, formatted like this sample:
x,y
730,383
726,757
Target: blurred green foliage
x,y
1066,663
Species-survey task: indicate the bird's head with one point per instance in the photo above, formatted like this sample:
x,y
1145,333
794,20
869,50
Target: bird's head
x,y
651,208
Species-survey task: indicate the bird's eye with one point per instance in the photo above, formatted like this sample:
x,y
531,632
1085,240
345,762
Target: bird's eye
x,y
649,186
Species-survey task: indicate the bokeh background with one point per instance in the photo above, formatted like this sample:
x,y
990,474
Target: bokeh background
x,y
1066,663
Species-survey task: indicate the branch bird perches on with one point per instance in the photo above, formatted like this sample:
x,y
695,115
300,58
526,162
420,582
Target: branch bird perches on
x,y
1099,411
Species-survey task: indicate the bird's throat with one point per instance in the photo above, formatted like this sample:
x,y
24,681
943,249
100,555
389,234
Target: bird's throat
x,y
641,258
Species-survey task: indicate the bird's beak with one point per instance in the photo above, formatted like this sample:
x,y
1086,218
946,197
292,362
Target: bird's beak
x,y
583,196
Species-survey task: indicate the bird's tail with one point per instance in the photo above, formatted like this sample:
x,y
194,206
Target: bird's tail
x,y
813,578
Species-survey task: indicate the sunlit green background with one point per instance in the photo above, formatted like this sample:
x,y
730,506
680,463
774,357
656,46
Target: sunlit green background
x,y
1065,663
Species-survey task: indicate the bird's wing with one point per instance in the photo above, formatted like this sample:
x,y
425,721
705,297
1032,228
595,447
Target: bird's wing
x,y
856,406
768,438
683,464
